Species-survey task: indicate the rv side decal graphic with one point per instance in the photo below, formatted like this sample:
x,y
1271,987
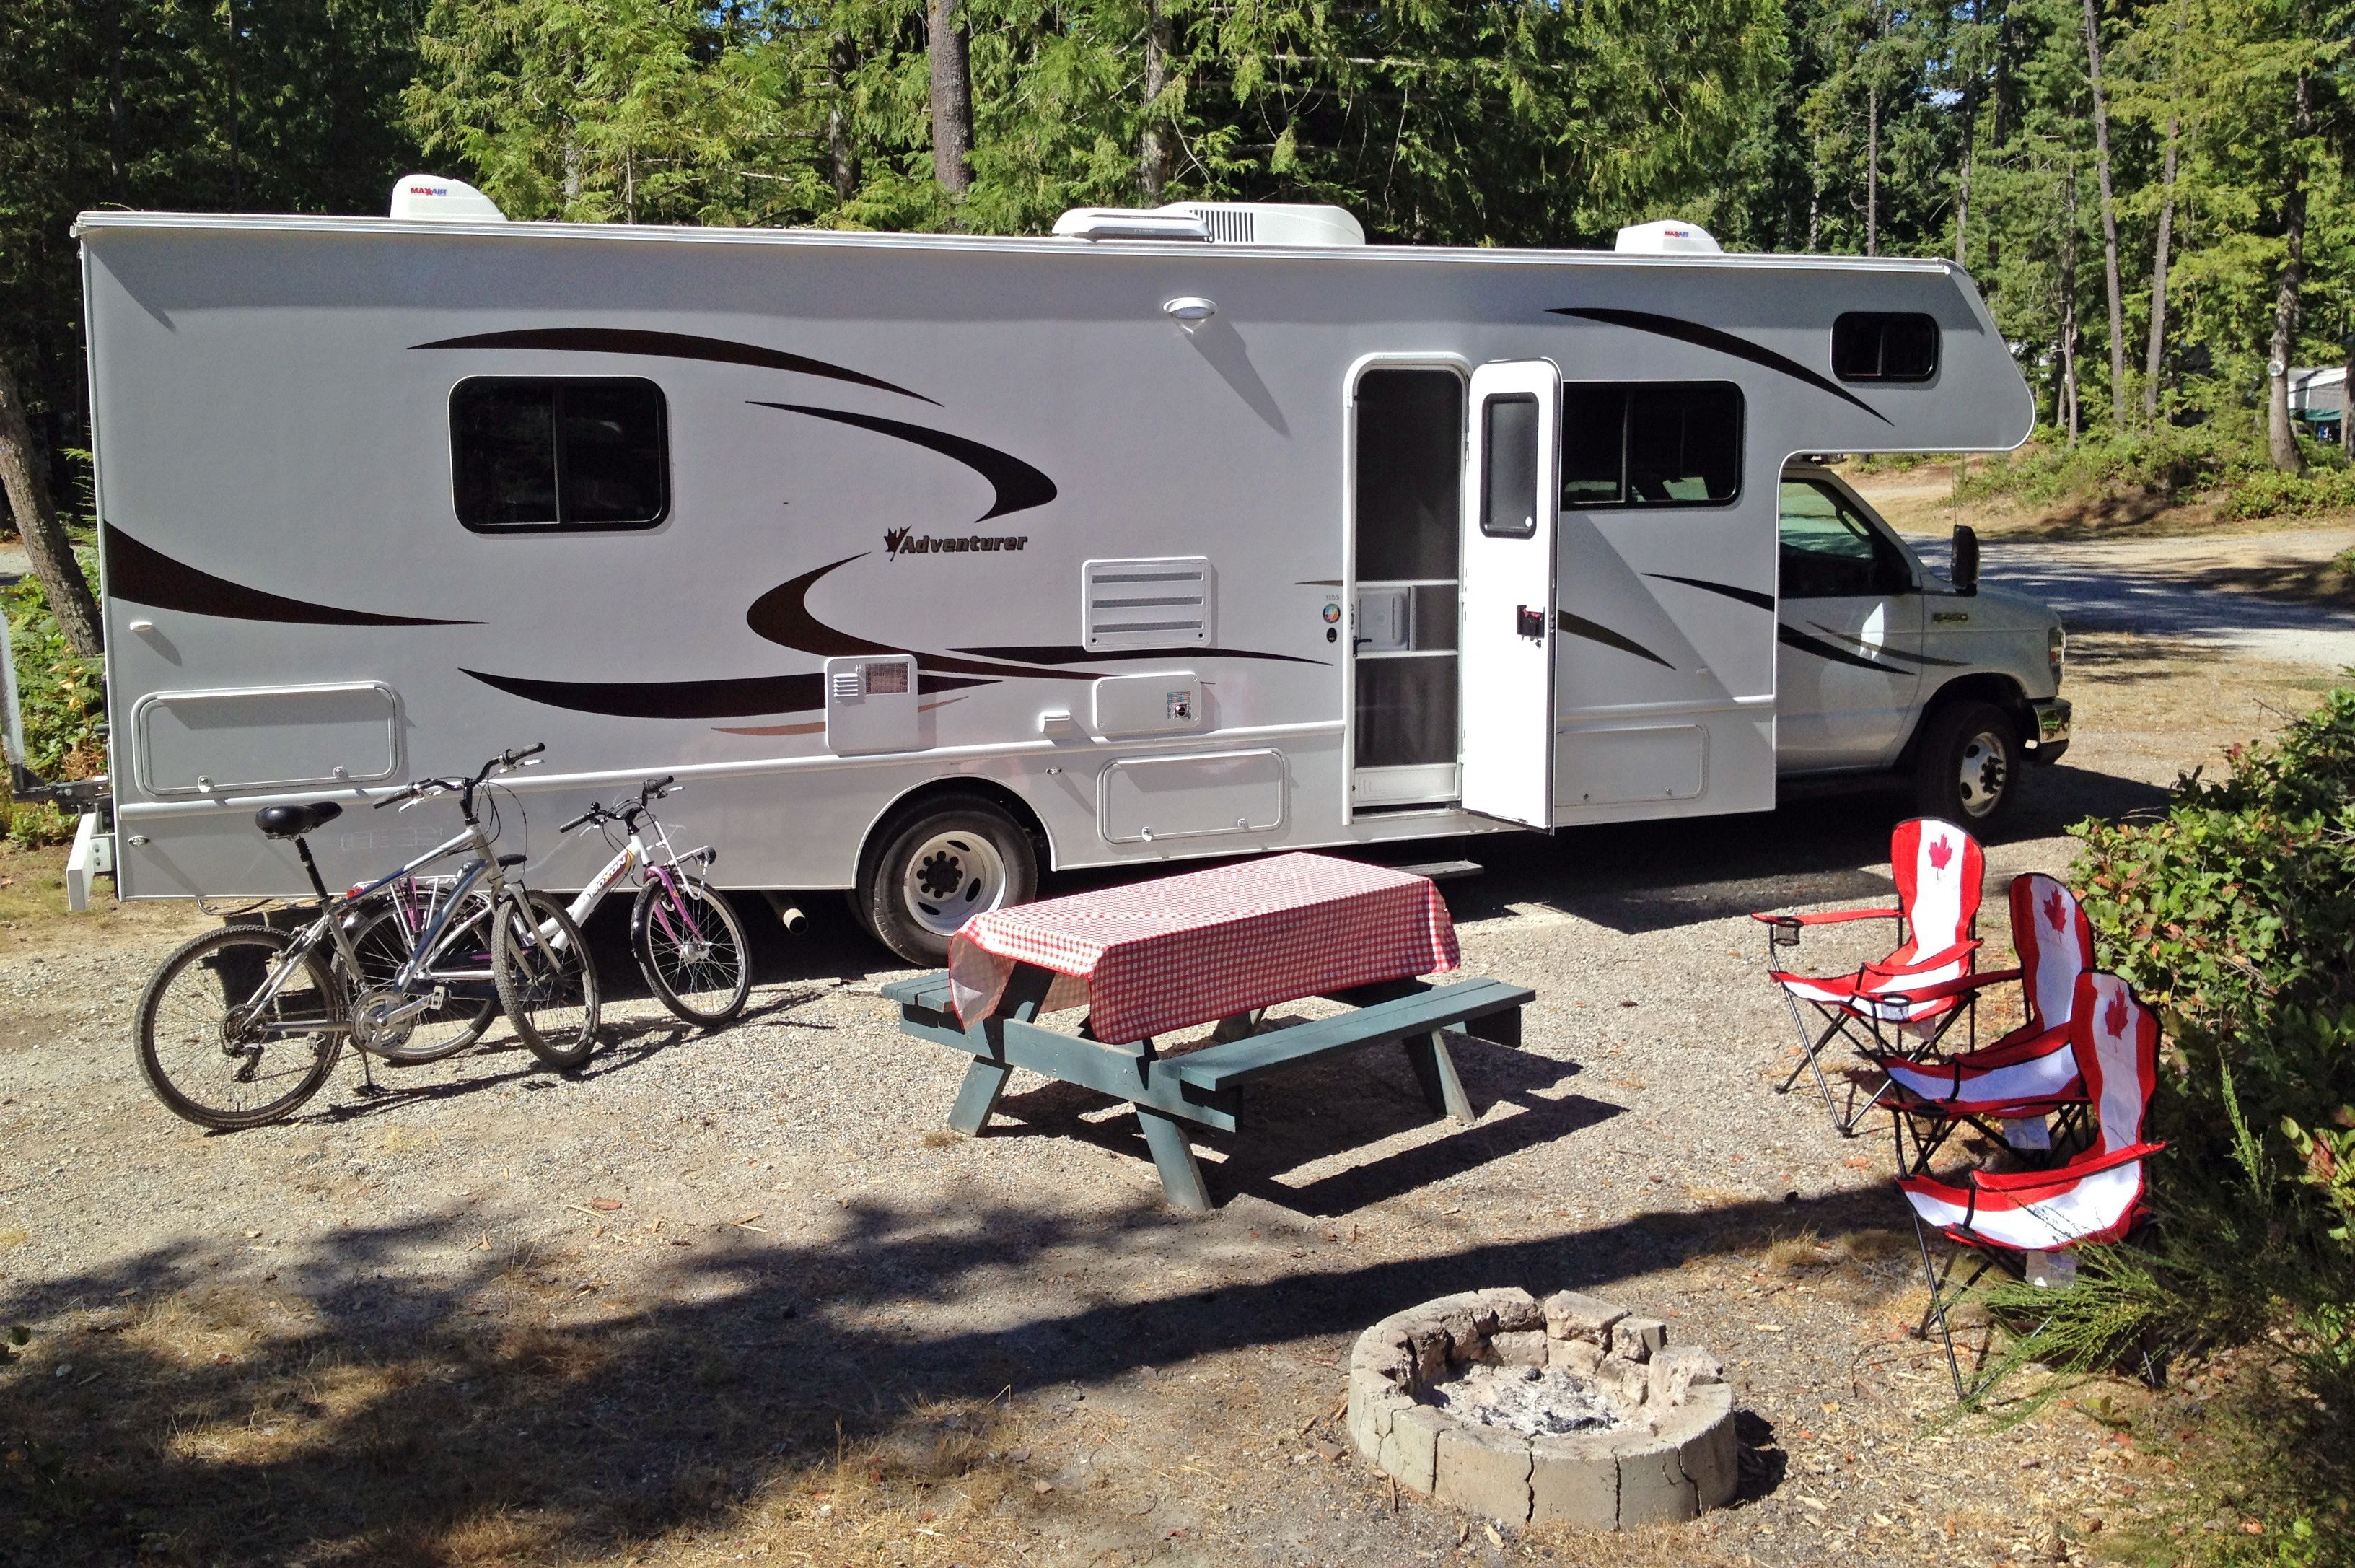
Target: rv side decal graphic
x,y
1749,596
668,345
1884,653
1019,486
1046,653
1701,336
143,575
1792,637
782,615
689,698
1578,627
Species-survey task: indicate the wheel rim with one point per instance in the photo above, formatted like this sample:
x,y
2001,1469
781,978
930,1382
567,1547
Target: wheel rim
x,y
950,877
694,951
1984,774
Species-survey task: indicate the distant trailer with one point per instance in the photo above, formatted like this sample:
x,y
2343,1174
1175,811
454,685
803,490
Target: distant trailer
x,y
924,561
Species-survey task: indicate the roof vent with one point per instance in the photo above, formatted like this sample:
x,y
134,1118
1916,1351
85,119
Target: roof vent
x,y
1667,237
440,198
1219,222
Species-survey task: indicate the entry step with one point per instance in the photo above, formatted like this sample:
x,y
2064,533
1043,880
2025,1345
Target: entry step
x,y
1443,870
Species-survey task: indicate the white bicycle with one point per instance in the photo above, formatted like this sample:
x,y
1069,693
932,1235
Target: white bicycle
x,y
687,942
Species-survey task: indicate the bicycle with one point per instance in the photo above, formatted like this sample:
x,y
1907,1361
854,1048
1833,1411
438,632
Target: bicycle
x,y
266,1011
687,942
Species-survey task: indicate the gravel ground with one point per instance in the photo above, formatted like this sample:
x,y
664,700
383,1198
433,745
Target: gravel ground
x,y
740,1295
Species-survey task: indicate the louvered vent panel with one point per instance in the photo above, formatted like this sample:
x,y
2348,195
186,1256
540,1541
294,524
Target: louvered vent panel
x,y
1145,603
1227,227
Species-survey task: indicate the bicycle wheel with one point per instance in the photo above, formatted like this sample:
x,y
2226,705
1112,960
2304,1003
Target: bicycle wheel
x,y
214,1065
384,944
691,947
546,983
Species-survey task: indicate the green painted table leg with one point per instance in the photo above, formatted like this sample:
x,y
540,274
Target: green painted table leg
x,y
1181,1178
1442,1089
977,1096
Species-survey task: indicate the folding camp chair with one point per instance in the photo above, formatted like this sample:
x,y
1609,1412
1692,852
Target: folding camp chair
x,y
2093,1197
1938,869
2009,1089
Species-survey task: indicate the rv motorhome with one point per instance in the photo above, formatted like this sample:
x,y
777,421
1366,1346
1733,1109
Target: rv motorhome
x,y
928,560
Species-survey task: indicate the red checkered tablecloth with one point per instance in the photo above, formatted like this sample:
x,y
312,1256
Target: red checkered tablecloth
x,y
1160,955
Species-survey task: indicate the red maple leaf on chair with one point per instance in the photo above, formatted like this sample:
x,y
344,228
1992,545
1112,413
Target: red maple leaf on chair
x,y
2053,909
2114,1018
1940,851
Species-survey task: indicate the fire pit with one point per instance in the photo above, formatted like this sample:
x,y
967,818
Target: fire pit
x,y
1568,1410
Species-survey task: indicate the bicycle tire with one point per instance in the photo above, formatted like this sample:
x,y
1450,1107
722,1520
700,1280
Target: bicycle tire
x,y
382,945
175,1020
547,984
706,988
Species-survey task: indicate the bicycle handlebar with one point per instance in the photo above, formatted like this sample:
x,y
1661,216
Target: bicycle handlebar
x,y
465,787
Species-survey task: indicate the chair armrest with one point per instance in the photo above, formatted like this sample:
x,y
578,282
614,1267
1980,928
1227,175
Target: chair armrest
x,y
1939,960
1830,917
2022,1183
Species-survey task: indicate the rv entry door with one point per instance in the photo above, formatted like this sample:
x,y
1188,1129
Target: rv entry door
x,y
1511,495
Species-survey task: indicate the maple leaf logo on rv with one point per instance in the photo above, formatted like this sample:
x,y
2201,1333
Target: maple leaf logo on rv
x,y
1940,851
2114,1018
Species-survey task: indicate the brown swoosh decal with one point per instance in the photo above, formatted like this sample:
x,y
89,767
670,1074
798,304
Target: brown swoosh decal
x,y
688,698
669,346
783,616
143,575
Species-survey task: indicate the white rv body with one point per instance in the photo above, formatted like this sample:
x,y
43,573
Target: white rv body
x,y
915,489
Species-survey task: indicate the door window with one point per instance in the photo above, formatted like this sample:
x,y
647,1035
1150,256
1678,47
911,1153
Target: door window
x,y
1508,437
1831,552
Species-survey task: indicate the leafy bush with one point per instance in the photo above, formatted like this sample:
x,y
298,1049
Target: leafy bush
x,y
64,701
2166,461
2271,494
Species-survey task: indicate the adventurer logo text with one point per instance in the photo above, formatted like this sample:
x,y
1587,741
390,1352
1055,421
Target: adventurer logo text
x,y
906,541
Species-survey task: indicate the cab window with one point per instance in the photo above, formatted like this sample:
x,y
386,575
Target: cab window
x,y
1829,552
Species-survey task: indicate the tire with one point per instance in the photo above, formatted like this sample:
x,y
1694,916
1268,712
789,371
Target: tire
x,y
702,973
1969,769
383,943
190,1057
934,868
546,983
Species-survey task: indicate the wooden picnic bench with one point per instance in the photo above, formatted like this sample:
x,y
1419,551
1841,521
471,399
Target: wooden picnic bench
x,y
1204,1086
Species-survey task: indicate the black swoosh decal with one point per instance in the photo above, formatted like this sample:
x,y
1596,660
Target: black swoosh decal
x,y
688,698
1019,486
1693,332
669,346
1749,596
783,616
1885,652
143,575
1579,627
1790,636
1062,654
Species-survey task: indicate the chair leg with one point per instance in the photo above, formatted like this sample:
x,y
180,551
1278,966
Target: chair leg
x,y
1181,1178
1434,1069
1936,1311
984,1081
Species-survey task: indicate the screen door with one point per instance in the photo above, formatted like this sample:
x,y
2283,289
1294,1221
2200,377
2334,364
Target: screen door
x,y
1511,495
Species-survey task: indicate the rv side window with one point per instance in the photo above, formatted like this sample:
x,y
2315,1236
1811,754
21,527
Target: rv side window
x,y
1509,449
1884,346
1651,444
535,454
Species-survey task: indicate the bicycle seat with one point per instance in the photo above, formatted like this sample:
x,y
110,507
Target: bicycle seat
x,y
293,821
506,860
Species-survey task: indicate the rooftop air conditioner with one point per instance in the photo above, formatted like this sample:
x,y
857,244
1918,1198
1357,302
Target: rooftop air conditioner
x,y
1666,236
440,198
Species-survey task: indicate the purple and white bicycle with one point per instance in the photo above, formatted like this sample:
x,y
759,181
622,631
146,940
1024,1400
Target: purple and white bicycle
x,y
687,942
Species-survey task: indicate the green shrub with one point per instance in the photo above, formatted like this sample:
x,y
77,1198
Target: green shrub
x,y
2166,461
2273,494
64,697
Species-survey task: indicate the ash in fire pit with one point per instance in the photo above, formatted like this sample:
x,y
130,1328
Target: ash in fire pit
x,y
1527,1400
1569,1410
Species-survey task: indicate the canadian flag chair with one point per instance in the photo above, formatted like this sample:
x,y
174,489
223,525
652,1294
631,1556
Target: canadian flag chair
x,y
1938,869
2008,1089
2094,1197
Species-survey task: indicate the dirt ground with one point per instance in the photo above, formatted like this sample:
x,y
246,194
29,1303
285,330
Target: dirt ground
x,y
740,1297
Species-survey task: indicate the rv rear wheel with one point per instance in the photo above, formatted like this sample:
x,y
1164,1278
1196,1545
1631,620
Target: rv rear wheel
x,y
942,863
1968,769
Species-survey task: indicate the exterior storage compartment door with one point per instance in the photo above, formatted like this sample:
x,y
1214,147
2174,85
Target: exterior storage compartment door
x,y
1511,497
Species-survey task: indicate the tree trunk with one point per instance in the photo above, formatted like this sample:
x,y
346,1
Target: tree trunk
x,y
2069,308
952,98
2346,398
1152,145
1872,171
2281,441
1962,198
2153,359
839,147
21,474
114,100
2109,218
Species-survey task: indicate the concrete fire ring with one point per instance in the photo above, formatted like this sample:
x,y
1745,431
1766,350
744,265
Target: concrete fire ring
x,y
1673,1455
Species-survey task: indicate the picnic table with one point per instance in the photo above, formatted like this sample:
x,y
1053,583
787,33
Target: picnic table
x,y
1157,956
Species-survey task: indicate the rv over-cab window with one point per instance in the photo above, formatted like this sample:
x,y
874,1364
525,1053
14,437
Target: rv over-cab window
x,y
1651,444
1884,346
537,453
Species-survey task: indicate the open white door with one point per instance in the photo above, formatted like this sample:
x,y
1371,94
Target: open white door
x,y
1511,495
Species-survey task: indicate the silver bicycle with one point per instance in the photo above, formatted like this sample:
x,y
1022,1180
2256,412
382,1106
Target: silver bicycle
x,y
241,1026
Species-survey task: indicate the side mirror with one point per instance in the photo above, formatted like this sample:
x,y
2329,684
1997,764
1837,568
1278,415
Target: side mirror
x,y
1964,569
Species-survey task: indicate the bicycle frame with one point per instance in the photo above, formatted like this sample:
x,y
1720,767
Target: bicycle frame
x,y
635,854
